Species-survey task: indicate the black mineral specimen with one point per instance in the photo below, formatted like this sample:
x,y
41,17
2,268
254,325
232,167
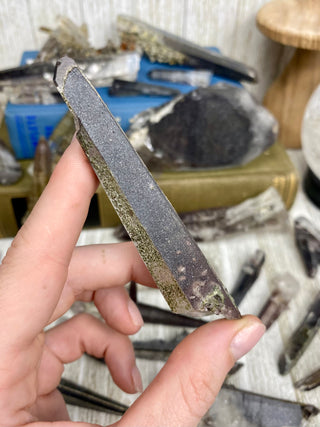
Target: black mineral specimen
x,y
218,126
308,243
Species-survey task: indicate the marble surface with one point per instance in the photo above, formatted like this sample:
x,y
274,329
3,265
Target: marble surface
x,y
260,371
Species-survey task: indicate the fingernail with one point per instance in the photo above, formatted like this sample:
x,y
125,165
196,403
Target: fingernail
x,y
135,314
246,339
136,379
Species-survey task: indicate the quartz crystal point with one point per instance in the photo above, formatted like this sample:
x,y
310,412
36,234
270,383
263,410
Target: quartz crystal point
x,y
127,88
162,46
265,210
308,242
213,127
239,408
199,78
10,169
75,394
309,382
301,338
285,287
249,273
173,258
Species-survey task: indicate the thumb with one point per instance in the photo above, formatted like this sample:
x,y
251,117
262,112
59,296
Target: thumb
x,y
187,385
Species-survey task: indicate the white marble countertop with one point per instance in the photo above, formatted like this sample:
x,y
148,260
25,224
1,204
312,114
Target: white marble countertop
x,y
260,371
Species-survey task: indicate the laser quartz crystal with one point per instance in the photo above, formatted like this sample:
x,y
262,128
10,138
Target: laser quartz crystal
x,y
176,263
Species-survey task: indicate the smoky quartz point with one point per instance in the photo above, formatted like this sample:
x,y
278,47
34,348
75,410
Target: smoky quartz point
x,y
308,243
175,261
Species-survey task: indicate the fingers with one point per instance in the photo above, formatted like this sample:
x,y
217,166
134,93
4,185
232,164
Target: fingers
x,y
187,385
103,267
35,268
86,334
118,310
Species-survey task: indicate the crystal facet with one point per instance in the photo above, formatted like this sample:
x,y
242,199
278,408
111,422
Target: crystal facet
x,y
175,261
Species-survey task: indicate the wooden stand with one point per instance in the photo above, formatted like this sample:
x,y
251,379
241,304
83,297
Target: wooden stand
x,y
293,23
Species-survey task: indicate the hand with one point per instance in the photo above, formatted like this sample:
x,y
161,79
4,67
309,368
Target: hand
x,y
43,274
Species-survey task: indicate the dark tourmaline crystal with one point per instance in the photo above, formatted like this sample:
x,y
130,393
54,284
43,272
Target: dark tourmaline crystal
x,y
308,243
309,382
301,338
248,275
218,126
75,394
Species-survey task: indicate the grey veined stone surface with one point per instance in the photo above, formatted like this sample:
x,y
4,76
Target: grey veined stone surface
x,y
218,126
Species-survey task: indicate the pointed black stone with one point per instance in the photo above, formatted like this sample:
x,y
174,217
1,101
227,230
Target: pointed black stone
x,y
308,243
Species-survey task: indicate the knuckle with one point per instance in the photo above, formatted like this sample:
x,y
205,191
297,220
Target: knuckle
x,y
198,392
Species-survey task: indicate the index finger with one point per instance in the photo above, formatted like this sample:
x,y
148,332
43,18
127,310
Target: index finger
x,y
35,268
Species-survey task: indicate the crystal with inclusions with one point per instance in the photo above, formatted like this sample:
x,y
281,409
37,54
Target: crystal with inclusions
x,y
175,261
285,287
10,169
265,210
239,408
309,382
301,338
214,127
308,243
249,273
76,394
162,46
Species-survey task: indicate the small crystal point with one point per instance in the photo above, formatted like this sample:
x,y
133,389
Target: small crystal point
x,y
248,275
301,338
309,382
308,243
10,169
285,287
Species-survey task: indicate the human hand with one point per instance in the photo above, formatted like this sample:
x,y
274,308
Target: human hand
x,y
43,274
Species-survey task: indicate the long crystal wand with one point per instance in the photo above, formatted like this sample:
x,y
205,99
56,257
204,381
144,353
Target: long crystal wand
x,y
175,261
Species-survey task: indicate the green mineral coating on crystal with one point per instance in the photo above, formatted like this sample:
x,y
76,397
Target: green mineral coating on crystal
x,y
162,275
213,301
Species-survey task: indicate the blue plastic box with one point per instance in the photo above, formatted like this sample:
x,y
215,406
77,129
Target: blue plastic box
x,y
26,123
